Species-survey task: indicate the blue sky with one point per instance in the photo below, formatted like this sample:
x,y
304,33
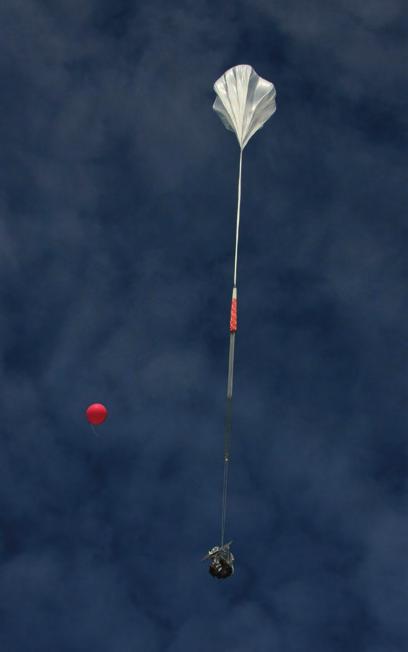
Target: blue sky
x,y
116,254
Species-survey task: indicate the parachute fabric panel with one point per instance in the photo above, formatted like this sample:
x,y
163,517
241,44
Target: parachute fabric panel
x,y
245,101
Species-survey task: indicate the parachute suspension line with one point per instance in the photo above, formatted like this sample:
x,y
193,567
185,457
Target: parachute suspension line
x,y
224,500
231,358
227,435
238,218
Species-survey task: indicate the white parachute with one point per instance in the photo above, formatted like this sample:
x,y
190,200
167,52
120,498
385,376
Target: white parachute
x,y
244,103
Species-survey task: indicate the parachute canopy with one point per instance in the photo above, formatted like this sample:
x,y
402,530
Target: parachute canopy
x,y
245,101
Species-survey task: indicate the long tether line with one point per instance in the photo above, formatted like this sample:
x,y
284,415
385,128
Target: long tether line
x,y
233,328
238,218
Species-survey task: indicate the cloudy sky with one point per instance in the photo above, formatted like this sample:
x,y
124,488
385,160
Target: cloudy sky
x,y
117,205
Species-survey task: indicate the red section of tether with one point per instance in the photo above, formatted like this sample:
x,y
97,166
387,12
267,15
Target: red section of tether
x,y
233,318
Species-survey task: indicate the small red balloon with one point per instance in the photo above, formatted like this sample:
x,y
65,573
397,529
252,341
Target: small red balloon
x,y
96,413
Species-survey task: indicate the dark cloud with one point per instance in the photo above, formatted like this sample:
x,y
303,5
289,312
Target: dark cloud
x,y
116,236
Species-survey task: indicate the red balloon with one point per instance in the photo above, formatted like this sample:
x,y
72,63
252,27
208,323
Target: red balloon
x,y
96,413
